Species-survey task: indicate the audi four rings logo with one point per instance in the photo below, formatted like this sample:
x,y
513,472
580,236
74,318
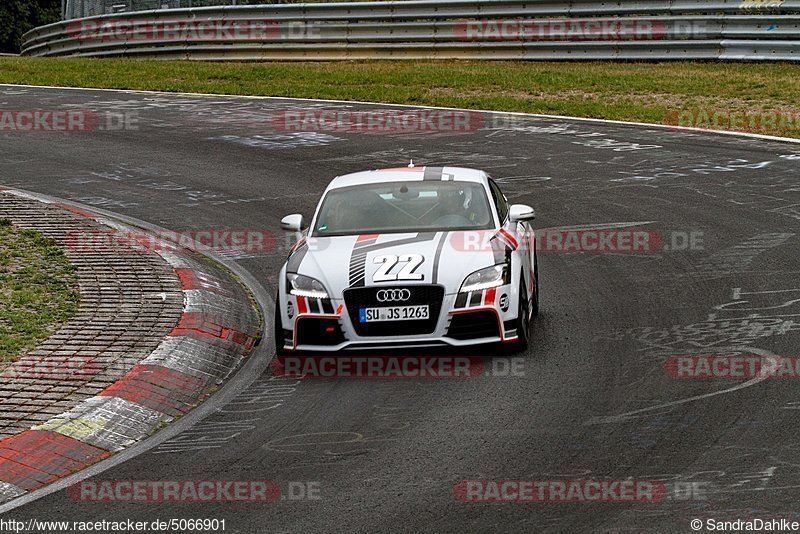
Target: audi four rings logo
x,y
393,295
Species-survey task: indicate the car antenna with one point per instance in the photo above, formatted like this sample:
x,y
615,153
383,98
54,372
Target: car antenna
x,y
411,164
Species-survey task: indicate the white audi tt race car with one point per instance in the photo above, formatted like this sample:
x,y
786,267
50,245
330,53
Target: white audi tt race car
x,y
409,257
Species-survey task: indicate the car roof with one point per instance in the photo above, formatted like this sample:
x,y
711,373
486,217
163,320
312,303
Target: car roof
x,y
409,174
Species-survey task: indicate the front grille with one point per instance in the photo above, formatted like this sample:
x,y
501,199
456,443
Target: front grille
x,y
473,325
366,297
316,331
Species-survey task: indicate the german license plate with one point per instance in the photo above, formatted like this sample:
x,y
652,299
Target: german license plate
x,y
393,313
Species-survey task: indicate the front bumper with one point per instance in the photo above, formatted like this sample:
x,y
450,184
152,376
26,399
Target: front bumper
x,y
457,320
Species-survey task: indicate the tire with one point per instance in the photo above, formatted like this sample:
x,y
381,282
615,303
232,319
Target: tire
x,y
523,320
279,339
535,305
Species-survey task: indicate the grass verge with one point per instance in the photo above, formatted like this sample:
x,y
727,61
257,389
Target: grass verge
x,y
759,97
38,290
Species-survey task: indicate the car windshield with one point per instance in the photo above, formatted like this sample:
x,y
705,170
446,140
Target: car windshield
x,y
402,207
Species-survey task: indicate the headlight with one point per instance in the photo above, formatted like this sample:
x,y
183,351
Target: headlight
x,y
304,286
494,276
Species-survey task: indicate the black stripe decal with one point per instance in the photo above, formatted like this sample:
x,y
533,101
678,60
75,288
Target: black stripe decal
x,y
293,264
475,299
500,250
461,300
313,305
436,257
358,261
327,307
358,257
433,173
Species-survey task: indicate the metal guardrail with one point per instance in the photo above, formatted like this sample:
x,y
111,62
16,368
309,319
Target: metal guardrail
x,y
422,29
87,8
74,9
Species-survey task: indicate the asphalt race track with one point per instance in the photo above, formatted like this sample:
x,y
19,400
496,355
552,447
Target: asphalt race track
x,y
593,401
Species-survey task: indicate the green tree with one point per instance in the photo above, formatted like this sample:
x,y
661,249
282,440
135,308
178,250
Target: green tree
x,y
19,16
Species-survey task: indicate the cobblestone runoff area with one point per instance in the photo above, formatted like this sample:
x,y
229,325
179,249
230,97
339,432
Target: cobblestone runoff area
x,y
156,331
130,300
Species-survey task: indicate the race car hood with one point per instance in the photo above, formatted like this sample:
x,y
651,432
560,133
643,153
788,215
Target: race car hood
x,y
350,261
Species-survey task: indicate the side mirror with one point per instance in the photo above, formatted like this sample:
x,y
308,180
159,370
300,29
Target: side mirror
x,y
293,223
521,212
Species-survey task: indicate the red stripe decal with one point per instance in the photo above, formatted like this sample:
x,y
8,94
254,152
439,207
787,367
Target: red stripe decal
x,y
294,247
366,237
36,458
301,305
158,388
511,239
490,294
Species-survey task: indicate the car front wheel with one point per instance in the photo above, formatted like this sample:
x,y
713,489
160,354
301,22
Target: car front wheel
x,y
279,335
523,321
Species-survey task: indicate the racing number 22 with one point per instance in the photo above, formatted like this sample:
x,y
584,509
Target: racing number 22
x,y
410,264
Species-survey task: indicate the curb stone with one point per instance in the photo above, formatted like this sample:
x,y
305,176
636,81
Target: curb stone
x,y
217,328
